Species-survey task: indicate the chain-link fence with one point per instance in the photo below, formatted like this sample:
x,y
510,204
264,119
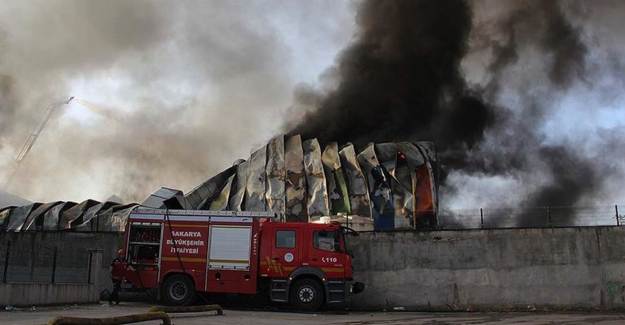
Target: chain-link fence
x,y
532,217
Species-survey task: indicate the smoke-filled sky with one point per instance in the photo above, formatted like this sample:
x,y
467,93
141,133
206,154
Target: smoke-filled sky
x,y
180,89
523,98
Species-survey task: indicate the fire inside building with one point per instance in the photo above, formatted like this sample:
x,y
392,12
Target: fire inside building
x,y
383,187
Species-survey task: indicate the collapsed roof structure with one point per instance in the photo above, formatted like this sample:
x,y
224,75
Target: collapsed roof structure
x,y
386,185
383,187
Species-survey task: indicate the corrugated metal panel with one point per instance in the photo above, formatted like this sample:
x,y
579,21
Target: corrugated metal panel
x,y
35,219
317,202
387,155
425,187
89,218
238,193
400,181
276,177
221,201
18,216
115,217
166,198
256,179
413,156
358,193
52,217
74,213
208,190
295,180
338,195
428,149
5,214
119,217
378,182
412,181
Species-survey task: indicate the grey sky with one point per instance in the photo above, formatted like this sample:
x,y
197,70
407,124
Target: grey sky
x,y
179,90
194,85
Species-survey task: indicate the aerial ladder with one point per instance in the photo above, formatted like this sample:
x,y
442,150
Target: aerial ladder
x,y
32,138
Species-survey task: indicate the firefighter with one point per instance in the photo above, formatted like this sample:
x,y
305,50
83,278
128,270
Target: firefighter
x,y
117,276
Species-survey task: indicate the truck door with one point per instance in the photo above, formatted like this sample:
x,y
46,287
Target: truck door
x,y
286,253
144,249
327,252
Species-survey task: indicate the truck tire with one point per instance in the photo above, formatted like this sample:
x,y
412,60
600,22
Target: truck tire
x,y
306,294
178,290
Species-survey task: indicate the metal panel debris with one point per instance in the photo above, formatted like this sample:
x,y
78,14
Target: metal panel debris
x,y
52,217
295,180
338,194
276,177
35,219
394,161
89,218
18,216
208,190
317,200
5,214
358,194
221,201
166,198
256,178
238,194
379,189
75,212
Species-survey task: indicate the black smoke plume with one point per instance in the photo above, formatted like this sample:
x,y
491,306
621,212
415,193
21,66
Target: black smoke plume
x,y
402,79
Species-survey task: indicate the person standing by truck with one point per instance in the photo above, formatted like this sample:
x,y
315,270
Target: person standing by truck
x,y
117,276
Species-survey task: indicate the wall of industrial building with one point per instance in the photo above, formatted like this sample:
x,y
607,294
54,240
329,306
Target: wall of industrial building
x,y
55,267
560,268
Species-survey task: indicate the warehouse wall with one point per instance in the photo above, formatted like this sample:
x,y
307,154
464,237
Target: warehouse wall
x,y
31,260
562,268
34,293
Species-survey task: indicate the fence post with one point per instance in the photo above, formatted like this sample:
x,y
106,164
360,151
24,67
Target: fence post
x,y
54,265
481,218
6,262
618,222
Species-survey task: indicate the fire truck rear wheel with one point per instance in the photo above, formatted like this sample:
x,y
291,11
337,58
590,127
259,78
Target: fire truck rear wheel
x,y
306,294
178,290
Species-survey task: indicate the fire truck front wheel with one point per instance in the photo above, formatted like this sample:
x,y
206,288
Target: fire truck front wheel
x,y
306,294
178,290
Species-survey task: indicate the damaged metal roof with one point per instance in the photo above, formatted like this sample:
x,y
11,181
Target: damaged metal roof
x,y
383,186
387,185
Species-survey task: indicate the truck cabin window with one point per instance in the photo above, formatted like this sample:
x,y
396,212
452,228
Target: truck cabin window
x,y
144,243
285,239
140,254
327,241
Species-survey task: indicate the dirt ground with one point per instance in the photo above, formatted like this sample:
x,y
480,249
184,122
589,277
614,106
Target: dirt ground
x,y
42,315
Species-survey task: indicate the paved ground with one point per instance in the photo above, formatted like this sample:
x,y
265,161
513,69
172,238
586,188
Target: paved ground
x,y
43,315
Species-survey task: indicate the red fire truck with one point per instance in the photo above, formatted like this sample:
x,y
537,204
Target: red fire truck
x,y
181,252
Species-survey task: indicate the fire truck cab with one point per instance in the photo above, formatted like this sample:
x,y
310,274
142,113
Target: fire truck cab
x,y
181,252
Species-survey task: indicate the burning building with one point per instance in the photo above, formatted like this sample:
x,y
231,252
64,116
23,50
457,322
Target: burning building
x,y
384,186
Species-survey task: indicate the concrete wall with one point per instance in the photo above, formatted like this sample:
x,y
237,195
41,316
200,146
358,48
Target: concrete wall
x,y
562,268
31,268
30,294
